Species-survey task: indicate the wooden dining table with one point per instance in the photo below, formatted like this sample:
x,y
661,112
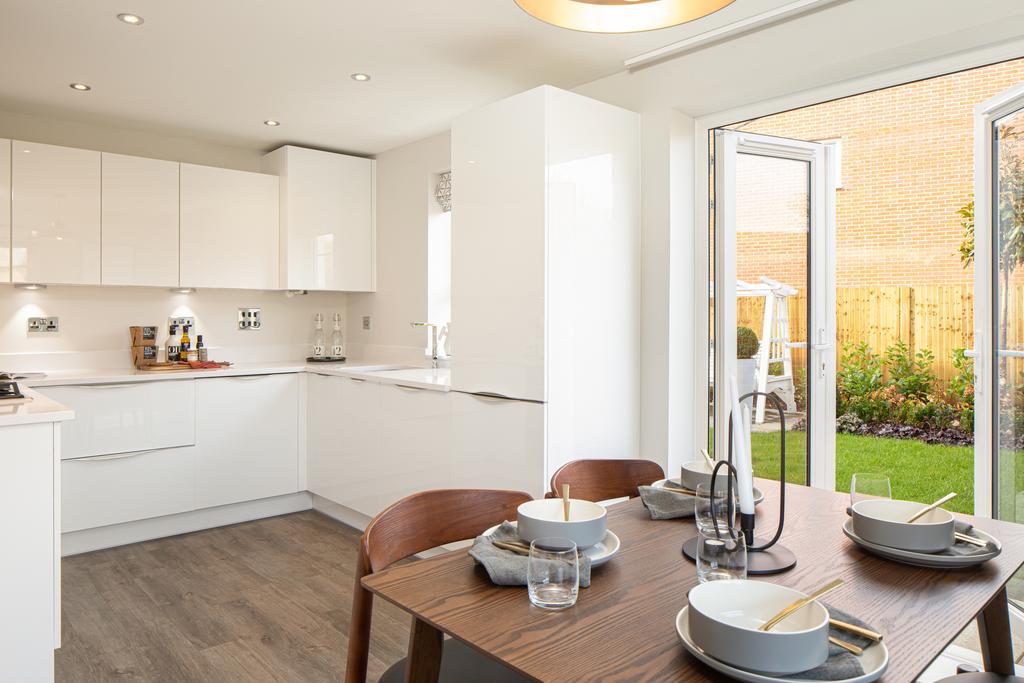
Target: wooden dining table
x,y
622,628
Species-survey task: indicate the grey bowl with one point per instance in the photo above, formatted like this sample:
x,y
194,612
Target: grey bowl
x,y
725,619
698,472
883,522
543,518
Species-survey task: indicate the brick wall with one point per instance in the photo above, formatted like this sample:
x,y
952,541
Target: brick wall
x,y
907,168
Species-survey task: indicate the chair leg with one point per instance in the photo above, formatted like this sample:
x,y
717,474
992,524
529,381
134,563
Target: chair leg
x,y
994,629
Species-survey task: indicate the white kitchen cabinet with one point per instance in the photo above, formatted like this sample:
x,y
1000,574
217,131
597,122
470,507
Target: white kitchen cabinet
x,y
229,228
140,221
344,443
55,214
415,446
5,210
127,418
497,443
327,219
248,433
112,489
30,590
545,265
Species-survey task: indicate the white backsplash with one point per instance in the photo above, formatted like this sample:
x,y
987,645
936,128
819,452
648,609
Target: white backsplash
x,y
94,324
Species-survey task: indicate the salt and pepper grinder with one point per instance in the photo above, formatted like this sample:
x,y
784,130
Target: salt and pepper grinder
x,y
319,348
337,339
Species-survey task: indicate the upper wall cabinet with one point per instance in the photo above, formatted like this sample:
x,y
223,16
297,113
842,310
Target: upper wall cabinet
x,y
327,219
5,210
140,221
229,228
55,214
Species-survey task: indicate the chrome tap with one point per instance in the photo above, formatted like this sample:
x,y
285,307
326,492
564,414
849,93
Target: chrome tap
x,y
433,340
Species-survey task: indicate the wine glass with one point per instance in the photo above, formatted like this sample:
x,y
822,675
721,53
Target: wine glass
x,y
868,485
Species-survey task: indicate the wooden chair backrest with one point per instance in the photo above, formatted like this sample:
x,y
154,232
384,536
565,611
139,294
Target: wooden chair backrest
x,y
604,479
416,523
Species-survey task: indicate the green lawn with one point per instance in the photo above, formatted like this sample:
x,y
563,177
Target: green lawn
x,y
917,471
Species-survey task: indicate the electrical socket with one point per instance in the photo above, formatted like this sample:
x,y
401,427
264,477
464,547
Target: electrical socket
x,y
44,325
181,322
366,322
249,319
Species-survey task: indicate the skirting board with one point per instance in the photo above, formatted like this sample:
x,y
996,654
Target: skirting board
x,y
347,516
87,540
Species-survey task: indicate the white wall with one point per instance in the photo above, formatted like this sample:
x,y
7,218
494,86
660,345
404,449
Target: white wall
x,y
94,324
404,202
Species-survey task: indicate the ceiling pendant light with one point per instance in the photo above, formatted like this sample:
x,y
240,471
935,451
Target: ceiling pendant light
x,y
619,16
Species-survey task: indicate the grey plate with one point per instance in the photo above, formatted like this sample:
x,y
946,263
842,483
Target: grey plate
x,y
758,494
926,559
874,660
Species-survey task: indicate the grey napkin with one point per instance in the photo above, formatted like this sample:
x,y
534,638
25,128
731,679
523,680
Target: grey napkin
x,y
662,504
507,568
961,549
840,664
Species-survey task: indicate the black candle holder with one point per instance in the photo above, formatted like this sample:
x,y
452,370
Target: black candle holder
x,y
769,557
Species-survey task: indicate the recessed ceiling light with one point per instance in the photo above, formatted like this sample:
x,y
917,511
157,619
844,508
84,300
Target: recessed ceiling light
x,y
82,87
182,290
271,123
30,285
619,16
133,19
360,77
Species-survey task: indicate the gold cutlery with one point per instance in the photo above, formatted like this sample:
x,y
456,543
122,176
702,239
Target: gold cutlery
x,y
859,630
513,547
674,489
565,501
924,511
967,538
849,647
799,604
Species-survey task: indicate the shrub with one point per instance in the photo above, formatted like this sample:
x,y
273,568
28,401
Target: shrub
x,y
860,374
911,373
960,394
746,343
848,424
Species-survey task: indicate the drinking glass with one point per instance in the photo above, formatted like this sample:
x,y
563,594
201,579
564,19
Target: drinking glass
x,y
553,573
725,507
721,556
865,485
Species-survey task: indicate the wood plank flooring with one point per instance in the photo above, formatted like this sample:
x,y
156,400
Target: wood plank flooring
x,y
261,601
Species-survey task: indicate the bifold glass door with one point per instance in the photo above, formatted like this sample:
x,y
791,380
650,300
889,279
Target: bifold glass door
x,y
774,298
999,307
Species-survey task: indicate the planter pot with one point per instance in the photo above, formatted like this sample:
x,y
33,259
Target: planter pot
x,y
746,375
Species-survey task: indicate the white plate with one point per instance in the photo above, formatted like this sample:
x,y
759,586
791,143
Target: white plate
x,y
874,660
605,550
927,560
758,494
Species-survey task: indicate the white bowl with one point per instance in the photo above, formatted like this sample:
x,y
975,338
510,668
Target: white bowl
x,y
884,522
544,518
698,472
725,618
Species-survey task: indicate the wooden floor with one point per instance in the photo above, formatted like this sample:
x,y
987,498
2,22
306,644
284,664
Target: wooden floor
x,y
261,601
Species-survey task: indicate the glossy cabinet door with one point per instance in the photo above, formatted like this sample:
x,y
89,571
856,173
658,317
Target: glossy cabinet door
x,y
498,248
55,214
229,228
140,221
106,489
498,444
5,210
248,435
327,219
125,418
415,446
325,436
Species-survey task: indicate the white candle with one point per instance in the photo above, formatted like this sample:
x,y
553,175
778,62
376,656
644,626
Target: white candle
x,y
742,460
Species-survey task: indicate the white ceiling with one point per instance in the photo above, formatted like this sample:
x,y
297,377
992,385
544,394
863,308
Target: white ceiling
x,y
215,69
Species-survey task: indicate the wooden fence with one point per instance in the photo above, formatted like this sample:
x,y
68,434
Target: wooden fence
x,y
935,317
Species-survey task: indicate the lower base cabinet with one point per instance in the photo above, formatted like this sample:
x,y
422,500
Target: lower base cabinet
x,y
111,489
247,435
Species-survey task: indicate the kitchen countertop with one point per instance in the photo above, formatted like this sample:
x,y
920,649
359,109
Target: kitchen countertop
x,y
386,373
39,409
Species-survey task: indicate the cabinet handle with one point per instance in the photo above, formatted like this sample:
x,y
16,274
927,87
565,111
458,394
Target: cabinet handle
x,y
116,456
408,387
494,397
356,379
112,385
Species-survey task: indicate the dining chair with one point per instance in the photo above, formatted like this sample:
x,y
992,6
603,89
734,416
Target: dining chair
x,y
412,525
981,677
597,480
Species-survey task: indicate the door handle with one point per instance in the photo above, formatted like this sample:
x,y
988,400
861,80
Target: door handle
x,y
115,456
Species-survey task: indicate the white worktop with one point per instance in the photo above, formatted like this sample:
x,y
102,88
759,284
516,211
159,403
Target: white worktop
x,y
38,409
422,378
